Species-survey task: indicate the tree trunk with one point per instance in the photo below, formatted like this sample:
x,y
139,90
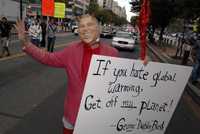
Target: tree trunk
x,y
183,38
179,49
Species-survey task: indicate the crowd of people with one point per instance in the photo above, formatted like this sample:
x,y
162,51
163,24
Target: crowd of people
x,y
195,52
191,48
39,31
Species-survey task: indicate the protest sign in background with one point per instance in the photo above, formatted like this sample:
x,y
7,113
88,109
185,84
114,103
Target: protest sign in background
x,y
48,7
59,11
124,96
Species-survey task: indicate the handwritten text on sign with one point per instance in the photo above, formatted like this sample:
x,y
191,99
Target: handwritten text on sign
x,y
124,96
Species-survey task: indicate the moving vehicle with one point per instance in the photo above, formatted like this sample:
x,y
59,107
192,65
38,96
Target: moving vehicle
x,y
74,26
135,37
123,40
76,31
106,34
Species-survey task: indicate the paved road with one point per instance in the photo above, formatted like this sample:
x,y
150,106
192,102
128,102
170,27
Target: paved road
x,y
14,45
31,98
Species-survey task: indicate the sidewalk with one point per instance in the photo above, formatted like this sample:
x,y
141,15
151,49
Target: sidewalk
x,y
166,54
14,45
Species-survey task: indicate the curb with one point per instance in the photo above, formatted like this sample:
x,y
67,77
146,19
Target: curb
x,y
21,54
193,91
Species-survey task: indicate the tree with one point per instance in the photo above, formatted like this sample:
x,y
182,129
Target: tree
x,y
135,5
105,16
74,10
93,7
187,9
134,20
162,12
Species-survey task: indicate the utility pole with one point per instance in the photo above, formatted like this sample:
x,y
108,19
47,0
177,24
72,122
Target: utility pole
x,y
21,9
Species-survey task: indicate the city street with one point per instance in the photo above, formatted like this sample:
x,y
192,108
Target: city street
x,y
32,95
122,97
25,87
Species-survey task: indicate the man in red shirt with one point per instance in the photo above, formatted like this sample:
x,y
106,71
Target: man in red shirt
x,y
75,59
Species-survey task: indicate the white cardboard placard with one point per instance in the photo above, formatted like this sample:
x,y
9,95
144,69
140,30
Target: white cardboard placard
x,y
122,96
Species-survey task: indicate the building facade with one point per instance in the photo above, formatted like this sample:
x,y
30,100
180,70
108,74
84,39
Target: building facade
x,y
76,7
73,7
113,6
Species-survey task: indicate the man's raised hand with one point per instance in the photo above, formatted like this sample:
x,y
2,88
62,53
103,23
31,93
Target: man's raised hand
x,y
20,27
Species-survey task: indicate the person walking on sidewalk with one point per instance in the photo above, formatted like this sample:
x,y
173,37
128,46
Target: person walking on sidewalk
x,y
187,47
35,33
5,28
196,67
75,59
44,31
51,35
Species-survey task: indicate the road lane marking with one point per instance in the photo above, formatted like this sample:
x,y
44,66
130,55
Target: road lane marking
x,y
23,54
11,115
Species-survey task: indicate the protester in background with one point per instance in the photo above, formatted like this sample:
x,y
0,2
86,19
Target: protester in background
x,y
5,27
44,29
196,67
35,33
66,25
26,23
30,21
187,48
51,35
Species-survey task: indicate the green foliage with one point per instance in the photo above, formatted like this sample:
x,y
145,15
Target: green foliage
x,y
135,5
105,16
93,7
162,12
134,20
187,9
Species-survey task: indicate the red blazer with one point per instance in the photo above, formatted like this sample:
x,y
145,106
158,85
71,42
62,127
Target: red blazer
x,y
70,59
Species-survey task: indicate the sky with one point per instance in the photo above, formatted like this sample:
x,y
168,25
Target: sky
x,y
125,3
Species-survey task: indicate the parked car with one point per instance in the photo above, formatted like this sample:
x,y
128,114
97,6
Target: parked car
x,y
123,40
106,34
76,31
135,36
74,27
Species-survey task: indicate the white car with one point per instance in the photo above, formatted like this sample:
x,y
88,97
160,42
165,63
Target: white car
x,y
76,31
123,40
106,34
135,37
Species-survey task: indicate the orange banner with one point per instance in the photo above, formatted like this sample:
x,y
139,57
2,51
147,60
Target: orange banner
x,y
48,7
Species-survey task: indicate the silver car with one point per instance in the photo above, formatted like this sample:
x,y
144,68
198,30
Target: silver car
x,y
123,40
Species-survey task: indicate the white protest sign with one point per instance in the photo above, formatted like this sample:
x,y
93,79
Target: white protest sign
x,y
122,96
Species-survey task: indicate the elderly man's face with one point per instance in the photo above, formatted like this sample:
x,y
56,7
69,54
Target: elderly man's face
x,y
88,30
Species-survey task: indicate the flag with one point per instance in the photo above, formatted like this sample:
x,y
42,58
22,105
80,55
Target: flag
x,y
48,7
143,24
